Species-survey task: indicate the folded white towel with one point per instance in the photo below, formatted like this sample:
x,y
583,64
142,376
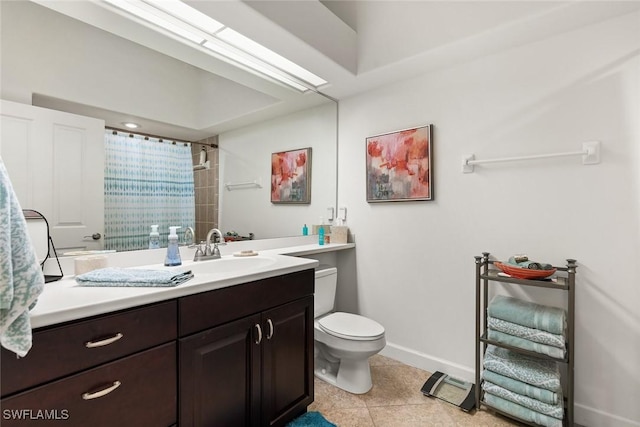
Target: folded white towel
x,y
21,278
133,277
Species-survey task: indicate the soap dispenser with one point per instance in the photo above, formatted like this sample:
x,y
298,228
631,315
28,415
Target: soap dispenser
x,y
154,238
173,252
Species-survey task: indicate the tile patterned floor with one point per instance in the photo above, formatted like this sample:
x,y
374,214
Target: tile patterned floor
x,y
396,401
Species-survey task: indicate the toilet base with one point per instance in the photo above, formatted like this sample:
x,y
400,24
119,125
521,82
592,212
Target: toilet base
x,y
353,376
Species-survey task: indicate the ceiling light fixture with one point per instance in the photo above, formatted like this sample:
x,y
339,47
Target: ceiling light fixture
x,y
222,42
131,125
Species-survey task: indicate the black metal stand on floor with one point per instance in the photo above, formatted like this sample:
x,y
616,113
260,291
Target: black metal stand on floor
x,y
566,282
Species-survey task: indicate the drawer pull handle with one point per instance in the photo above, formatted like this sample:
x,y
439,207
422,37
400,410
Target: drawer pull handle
x,y
101,343
270,334
97,394
259,338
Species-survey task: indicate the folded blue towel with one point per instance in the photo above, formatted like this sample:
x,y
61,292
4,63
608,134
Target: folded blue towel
x,y
535,335
541,394
531,370
529,314
21,278
525,344
555,411
520,411
133,277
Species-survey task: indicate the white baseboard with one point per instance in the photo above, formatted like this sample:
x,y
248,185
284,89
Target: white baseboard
x,y
584,415
591,417
428,362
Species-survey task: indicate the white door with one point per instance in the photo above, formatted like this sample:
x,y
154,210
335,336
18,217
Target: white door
x,y
55,162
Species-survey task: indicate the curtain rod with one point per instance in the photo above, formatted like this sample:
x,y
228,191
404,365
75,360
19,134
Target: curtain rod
x,y
161,138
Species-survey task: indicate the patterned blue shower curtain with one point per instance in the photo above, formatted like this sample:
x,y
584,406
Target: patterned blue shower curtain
x,y
146,182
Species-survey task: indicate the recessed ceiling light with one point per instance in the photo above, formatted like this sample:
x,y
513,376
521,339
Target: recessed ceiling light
x,y
131,125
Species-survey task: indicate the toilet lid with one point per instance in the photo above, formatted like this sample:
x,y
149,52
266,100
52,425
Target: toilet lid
x,y
351,326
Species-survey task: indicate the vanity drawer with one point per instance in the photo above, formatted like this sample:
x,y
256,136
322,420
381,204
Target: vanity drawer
x,y
208,309
142,393
63,350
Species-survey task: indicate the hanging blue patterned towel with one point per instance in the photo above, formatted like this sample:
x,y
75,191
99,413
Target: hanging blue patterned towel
x,y
21,278
133,277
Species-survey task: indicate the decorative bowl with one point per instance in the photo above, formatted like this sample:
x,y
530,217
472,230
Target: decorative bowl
x,y
523,273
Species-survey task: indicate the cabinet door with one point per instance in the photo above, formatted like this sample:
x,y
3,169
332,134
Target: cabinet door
x,y
220,376
287,361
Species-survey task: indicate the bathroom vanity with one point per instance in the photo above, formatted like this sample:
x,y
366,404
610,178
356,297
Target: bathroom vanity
x,y
236,350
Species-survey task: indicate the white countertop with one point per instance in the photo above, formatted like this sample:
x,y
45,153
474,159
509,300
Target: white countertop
x,y
65,300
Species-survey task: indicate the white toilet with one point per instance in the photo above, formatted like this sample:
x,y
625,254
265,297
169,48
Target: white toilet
x,y
343,341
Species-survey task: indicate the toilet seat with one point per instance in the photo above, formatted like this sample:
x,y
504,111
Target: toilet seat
x,y
351,326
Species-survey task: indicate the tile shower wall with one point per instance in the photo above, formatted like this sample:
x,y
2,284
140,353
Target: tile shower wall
x,y
206,188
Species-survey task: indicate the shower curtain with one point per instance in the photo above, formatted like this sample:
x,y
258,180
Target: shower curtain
x,y
146,182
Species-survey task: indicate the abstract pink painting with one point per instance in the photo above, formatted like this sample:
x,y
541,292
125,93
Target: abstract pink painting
x,y
291,176
399,166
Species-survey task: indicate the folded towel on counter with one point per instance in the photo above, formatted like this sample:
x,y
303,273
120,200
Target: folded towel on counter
x,y
133,277
525,344
21,278
535,335
531,370
520,411
520,387
529,314
555,411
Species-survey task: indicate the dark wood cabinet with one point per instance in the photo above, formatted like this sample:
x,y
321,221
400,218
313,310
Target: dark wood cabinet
x,y
220,376
254,371
65,349
138,390
116,369
287,361
235,356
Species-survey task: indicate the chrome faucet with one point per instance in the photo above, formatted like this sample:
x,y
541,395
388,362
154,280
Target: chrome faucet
x,y
210,253
189,237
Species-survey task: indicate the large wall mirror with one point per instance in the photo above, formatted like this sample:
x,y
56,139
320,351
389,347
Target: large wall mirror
x,y
81,58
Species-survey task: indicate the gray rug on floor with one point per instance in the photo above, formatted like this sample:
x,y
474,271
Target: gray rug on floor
x,y
310,419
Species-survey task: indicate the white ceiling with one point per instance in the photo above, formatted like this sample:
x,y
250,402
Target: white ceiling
x,y
355,45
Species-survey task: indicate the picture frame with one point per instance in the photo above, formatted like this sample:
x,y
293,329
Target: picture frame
x,y
291,176
399,165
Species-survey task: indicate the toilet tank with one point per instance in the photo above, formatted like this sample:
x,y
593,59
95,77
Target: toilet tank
x,y
325,290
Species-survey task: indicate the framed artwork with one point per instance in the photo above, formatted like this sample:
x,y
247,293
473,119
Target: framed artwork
x,y
399,166
291,176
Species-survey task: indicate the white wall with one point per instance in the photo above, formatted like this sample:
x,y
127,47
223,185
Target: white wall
x,y
414,260
245,156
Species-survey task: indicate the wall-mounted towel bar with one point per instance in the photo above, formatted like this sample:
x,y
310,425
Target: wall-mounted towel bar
x,y
242,185
590,156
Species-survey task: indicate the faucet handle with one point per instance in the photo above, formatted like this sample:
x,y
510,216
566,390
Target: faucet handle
x,y
199,254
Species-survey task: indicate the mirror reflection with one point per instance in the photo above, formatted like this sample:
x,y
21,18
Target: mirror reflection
x,y
60,60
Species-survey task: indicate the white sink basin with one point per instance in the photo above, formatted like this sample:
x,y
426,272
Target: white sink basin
x,y
230,264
